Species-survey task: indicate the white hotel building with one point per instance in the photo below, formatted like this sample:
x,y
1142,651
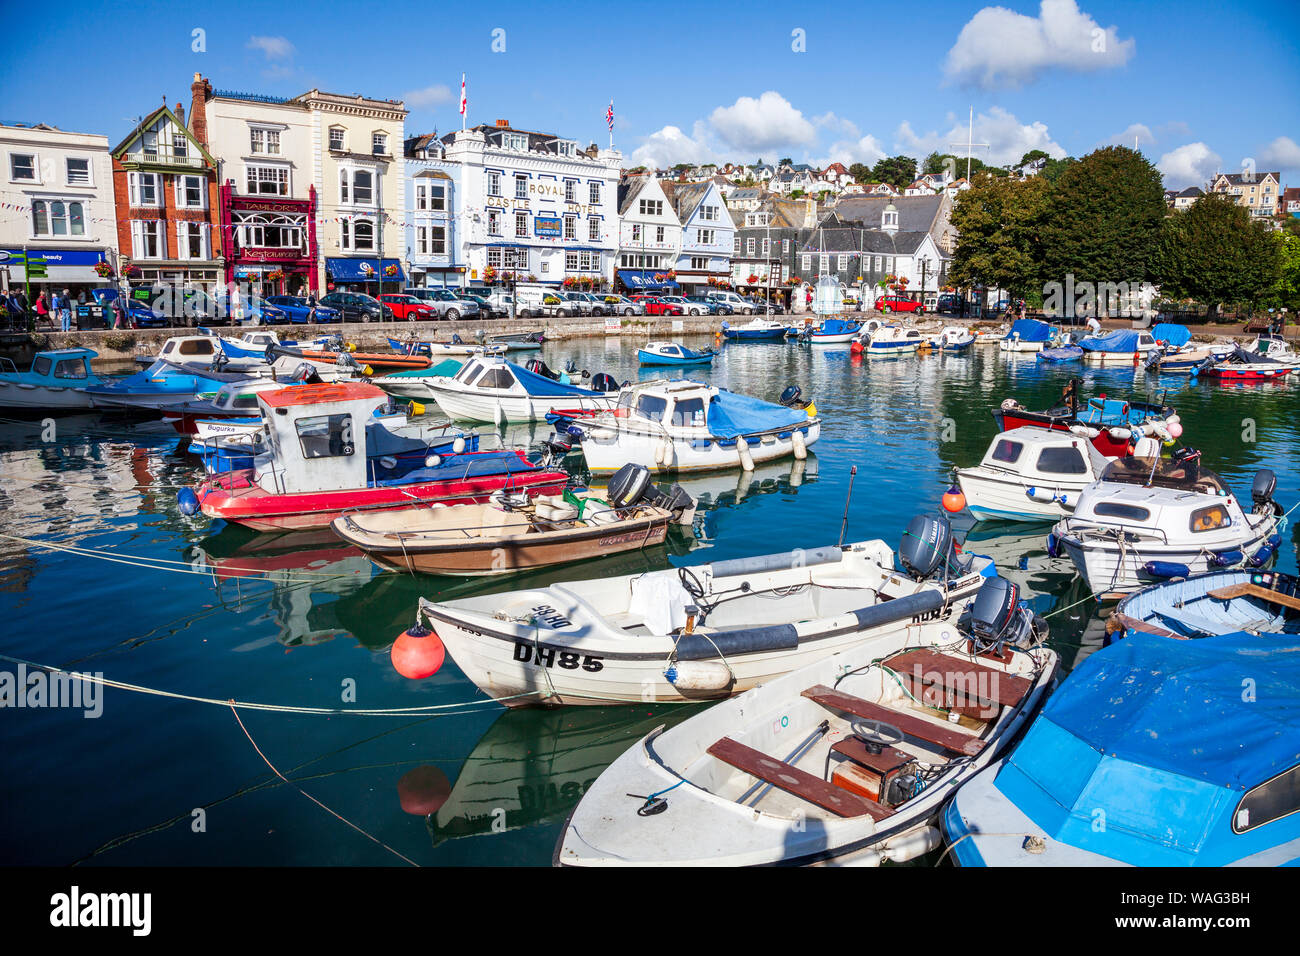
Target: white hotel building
x,y
535,204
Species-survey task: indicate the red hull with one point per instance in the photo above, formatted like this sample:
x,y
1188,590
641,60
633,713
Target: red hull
x,y
234,497
1249,375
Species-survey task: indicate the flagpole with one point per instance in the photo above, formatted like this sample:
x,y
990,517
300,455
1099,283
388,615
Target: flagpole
x,y
464,103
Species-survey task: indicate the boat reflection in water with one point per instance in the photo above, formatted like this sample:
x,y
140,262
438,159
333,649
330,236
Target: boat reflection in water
x,y
310,573
728,489
532,766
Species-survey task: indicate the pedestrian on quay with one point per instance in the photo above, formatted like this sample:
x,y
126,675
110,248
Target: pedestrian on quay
x,y
42,307
119,314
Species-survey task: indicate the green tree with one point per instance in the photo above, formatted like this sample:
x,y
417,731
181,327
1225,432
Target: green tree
x,y
1054,169
1105,220
860,172
1000,222
1213,253
1286,292
898,171
1032,155
785,161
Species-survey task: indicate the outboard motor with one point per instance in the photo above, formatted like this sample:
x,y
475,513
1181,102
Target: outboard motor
x,y
556,448
628,485
996,617
1261,491
602,382
455,339
790,397
538,367
926,545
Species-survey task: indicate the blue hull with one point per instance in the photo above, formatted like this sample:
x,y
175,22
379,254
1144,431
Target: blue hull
x,y
773,335
650,358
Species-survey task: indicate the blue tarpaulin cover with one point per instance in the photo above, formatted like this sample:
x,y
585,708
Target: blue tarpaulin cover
x,y
1031,330
1175,335
536,384
1124,340
731,415
835,327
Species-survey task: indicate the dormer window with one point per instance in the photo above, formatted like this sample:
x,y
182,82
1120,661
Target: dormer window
x,y
517,141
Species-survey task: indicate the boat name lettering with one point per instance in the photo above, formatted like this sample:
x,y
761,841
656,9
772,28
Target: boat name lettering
x,y
548,656
545,614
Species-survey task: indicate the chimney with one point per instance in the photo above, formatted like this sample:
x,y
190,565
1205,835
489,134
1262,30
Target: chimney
x,y
200,90
809,213
180,112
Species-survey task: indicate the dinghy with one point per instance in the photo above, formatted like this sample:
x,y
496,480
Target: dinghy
x,y
846,761
320,464
1030,474
705,631
670,353
56,382
250,345
441,350
1026,335
1151,738
1217,602
490,389
1150,519
336,352
684,426
953,338
504,535
516,341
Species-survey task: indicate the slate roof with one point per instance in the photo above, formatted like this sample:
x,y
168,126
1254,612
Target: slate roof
x,y
628,189
1237,179
685,198
915,213
867,241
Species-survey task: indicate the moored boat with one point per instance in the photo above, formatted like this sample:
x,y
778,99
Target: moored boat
x,y
1244,366
1112,425
757,329
832,331
1030,474
441,350
846,761
670,353
56,382
490,389
1217,602
1122,347
1026,335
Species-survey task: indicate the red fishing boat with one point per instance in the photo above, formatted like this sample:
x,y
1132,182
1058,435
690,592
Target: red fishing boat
x,y
317,467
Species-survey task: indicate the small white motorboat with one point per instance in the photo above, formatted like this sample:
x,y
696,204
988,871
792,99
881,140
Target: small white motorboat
x,y
56,382
1027,335
1031,474
705,631
891,340
1151,519
1275,347
489,389
953,338
684,426
847,761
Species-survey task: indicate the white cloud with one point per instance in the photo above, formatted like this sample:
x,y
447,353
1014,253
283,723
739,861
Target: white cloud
x,y
1190,165
1133,133
273,48
1001,48
427,97
766,123
1008,139
1282,153
866,150
837,124
671,145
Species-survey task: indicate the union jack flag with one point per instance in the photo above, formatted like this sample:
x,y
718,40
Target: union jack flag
x,y
609,116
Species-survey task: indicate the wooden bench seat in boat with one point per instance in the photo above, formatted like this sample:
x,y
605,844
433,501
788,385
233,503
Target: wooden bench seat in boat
x,y
964,682
954,740
1254,590
792,780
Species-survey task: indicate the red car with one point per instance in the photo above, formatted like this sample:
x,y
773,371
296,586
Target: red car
x,y
408,307
897,303
657,306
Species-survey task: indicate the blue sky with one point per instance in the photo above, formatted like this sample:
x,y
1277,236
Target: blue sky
x,y
1202,86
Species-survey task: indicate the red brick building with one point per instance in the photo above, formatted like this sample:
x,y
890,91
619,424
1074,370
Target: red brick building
x,y
167,201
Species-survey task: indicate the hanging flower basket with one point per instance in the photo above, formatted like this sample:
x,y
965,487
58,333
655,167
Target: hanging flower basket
x,y
531,277
131,271
103,270
752,278
489,275
569,282
275,276
713,280
672,274
793,280
390,270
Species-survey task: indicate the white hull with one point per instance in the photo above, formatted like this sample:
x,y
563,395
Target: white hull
x,y
471,406
590,649
1115,358
1015,345
37,397
993,495
608,449
717,815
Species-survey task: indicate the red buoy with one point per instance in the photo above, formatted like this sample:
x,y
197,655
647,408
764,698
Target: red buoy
x,y
417,653
423,791
953,500
856,348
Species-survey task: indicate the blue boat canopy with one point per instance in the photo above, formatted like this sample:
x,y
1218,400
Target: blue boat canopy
x,y
1181,707
641,279
536,384
836,327
731,415
355,270
1123,340
1172,333
1031,330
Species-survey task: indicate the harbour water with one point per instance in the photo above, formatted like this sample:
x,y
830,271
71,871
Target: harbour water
x,y
204,614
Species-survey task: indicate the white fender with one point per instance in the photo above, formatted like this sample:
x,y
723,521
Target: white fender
x,y
1119,433
1069,499
746,459
1173,418
911,845
1040,494
796,472
800,446
699,675
458,444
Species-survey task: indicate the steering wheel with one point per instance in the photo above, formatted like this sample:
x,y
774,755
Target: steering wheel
x,y
876,734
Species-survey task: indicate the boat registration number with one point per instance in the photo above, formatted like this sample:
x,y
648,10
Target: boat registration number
x,y
543,655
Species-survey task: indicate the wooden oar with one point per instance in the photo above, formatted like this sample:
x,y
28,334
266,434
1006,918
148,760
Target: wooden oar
x,y
1254,590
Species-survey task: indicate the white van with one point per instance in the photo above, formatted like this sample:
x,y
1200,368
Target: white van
x,y
538,300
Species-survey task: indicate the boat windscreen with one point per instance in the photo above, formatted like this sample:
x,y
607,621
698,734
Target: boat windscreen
x,y
1164,473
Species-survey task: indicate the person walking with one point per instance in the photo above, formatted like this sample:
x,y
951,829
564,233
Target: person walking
x,y
42,308
119,314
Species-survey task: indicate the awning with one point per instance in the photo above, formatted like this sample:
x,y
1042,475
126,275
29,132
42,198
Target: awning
x,y
644,279
363,270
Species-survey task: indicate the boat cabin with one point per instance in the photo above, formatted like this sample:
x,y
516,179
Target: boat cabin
x,y
190,348
1274,347
1185,475
1045,456
59,368
317,436
676,404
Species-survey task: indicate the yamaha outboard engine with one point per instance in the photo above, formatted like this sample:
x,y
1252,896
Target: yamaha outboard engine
x,y
628,485
996,617
927,544
556,448
602,382
790,398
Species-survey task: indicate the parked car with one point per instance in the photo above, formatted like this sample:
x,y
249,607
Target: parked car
x,y
357,307
656,305
303,310
736,303
485,309
622,305
581,304
447,304
949,303
501,303
143,316
709,306
897,303
407,308
597,300
687,307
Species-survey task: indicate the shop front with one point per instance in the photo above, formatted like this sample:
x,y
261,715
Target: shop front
x,y
272,243
646,282
78,270
371,276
